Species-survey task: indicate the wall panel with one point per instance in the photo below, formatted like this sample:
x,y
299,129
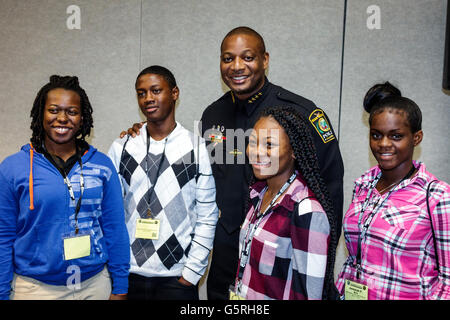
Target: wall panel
x,y
303,39
104,54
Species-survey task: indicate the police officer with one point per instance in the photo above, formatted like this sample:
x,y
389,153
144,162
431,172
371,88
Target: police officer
x,y
244,61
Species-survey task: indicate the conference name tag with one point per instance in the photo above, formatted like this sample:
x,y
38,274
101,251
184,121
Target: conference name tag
x,y
77,247
235,296
147,229
356,291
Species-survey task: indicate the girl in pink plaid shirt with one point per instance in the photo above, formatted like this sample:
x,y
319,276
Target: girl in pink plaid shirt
x,y
395,250
288,239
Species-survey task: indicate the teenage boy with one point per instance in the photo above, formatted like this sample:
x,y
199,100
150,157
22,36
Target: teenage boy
x,y
169,196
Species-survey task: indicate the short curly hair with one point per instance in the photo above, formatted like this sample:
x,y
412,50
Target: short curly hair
x,y
161,71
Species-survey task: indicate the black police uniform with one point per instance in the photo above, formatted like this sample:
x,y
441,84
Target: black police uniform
x,y
232,179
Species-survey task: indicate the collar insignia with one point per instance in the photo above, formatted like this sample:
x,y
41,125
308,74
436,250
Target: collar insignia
x,y
255,97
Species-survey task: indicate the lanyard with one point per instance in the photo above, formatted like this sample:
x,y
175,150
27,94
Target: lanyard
x,y
369,219
252,227
149,212
72,195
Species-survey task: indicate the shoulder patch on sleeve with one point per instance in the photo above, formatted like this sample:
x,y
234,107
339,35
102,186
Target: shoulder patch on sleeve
x,y
320,123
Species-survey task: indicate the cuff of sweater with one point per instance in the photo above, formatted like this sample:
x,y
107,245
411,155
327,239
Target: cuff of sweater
x,y
191,276
120,285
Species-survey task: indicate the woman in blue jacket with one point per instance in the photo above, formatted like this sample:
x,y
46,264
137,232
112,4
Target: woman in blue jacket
x,y
62,226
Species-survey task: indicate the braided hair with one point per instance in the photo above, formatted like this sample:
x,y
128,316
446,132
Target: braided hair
x,y
306,162
37,112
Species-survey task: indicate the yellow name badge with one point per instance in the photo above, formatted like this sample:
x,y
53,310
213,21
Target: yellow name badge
x,y
147,229
235,296
77,247
356,291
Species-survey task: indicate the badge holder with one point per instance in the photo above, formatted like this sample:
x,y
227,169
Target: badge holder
x,y
147,229
355,290
233,295
77,246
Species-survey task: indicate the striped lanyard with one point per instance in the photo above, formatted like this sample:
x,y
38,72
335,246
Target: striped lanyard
x,y
252,227
364,227
71,193
147,169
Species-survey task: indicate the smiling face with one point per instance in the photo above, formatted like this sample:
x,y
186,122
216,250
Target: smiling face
x,y
62,117
269,151
155,98
392,142
243,64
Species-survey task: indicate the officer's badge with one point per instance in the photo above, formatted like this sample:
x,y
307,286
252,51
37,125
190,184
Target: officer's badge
x,y
217,137
217,134
320,123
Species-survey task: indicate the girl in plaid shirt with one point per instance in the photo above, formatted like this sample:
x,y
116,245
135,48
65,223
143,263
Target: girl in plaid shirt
x,y
288,239
387,229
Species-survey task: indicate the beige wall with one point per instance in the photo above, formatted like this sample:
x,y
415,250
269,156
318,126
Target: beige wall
x,y
304,38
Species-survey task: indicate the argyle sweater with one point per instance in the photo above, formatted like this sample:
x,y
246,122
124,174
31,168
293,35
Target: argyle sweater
x,y
182,197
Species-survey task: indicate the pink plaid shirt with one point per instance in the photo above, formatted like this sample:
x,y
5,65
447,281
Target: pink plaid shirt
x,y
398,254
289,250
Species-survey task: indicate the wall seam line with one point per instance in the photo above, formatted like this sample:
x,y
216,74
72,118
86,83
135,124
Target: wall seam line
x,y
342,68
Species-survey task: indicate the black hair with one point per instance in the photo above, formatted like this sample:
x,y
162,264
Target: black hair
x,y
307,163
162,71
37,112
247,31
384,96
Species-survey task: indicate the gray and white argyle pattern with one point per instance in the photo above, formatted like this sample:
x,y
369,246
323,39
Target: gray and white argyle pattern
x,y
182,197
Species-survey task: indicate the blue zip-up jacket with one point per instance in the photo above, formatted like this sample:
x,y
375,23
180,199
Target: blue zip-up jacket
x,y
37,213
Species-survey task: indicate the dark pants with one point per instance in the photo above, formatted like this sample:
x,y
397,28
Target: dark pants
x,y
159,288
222,271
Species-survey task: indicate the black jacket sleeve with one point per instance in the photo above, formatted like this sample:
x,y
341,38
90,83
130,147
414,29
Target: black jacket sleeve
x,y
327,147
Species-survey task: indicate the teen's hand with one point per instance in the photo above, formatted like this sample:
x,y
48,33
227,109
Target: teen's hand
x,y
184,282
